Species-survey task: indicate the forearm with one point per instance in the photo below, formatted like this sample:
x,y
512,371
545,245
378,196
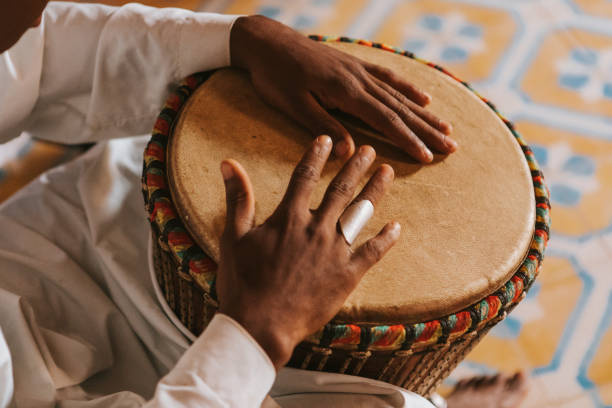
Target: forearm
x,y
104,72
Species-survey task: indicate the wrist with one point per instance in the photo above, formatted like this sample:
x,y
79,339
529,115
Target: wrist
x,y
277,345
240,36
251,39
276,342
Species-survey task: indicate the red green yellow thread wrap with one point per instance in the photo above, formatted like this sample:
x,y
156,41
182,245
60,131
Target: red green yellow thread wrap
x,y
192,259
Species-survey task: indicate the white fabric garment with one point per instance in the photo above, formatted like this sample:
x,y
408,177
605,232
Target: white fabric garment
x,y
80,324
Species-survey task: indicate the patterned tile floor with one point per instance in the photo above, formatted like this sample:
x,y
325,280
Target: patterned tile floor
x,y
547,64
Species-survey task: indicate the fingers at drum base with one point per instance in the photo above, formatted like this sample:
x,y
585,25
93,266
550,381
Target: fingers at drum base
x,y
384,119
340,190
306,174
432,137
240,200
375,248
423,113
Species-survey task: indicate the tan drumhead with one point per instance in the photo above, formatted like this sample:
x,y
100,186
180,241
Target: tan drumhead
x,y
467,219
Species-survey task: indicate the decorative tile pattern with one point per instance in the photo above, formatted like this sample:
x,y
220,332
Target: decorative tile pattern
x,y
587,72
445,39
469,41
598,8
332,17
571,69
578,172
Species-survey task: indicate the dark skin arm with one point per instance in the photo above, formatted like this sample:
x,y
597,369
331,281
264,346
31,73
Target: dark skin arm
x,y
303,78
286,278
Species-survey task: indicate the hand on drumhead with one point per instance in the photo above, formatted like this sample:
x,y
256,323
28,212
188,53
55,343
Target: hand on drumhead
x,y
286,278
303,78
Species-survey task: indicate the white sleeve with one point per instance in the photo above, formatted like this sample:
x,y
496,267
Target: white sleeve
x,y
6,373
224,367
92,72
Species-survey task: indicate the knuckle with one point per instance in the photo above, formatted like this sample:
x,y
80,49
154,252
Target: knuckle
x,y
375,190
305,172
393,92
385,71
340,187
386,74
402,110
238,197
399,96
319,234
393,118
296,220
348,85
410,117
359,70
373,251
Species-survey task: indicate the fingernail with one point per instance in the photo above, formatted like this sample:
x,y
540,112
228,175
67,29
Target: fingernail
x,y
427,97
367,152
324,140
451,144
396,228
226,171
447,127
428,154
341,148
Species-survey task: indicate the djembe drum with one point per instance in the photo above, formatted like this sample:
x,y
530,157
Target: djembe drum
x,y
475,223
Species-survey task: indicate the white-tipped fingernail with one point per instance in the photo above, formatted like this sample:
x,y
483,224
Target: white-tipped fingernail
x,y
396,228
325,140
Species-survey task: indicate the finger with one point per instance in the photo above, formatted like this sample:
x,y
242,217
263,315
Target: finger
x,y
340,190
375,248
380,117
240,200
310,114
307,173
424,114
377,186
432,137
413,93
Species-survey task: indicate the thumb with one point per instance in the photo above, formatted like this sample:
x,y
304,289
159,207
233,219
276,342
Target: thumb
x,y
240,200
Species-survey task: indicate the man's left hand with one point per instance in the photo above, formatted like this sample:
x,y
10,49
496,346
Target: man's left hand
x,y
304,78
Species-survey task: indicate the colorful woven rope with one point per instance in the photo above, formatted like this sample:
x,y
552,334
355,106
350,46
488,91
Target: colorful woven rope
x,y
164,219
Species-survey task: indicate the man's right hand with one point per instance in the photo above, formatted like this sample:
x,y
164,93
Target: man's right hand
x,y
286,278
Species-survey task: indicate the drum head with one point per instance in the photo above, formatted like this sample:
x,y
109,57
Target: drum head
x,y
467,218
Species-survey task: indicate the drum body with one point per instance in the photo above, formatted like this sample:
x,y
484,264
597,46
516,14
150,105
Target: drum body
x,y
475,223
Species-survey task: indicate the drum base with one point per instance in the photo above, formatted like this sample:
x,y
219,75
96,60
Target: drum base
x,y
417,371
193,307
420,370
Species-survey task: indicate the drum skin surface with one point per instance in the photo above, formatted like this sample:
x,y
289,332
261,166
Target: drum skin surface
x,y
467,218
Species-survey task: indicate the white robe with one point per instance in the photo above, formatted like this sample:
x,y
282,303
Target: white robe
x,y
80,322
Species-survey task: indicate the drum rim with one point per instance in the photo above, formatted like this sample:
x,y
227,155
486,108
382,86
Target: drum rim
x,y
164,218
